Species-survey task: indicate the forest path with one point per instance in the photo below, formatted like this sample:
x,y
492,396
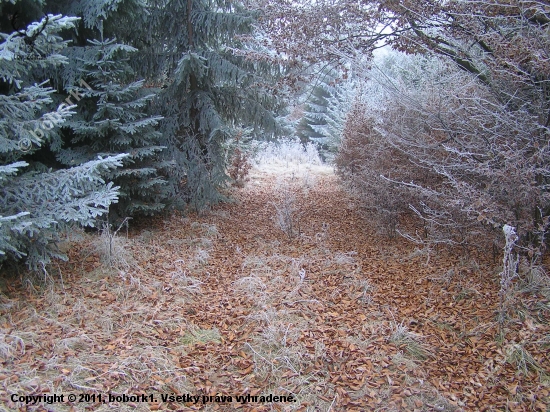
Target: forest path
x,y
336,314
331,313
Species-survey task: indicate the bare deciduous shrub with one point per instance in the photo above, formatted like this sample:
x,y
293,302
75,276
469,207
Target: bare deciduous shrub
x,y
240,166
464,159
287,214
364,154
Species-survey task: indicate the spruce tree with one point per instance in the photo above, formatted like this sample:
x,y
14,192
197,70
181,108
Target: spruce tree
x,y
112,119
36,201
216,82
315,108
329,101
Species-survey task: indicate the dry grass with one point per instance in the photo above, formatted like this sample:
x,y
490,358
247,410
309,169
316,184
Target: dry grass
x,y
280,358
222,303
101,332
411,342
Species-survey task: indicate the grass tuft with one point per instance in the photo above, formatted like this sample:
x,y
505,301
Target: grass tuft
x,y
411,342
517,355
196,335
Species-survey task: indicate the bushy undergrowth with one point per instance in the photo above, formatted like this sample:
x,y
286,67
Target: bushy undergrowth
x,y
428,140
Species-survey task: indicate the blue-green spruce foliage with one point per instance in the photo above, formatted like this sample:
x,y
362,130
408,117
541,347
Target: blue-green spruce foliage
x,y
36,200
112,119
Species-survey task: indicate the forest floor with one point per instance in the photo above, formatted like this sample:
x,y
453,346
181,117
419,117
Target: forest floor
x,y
328,315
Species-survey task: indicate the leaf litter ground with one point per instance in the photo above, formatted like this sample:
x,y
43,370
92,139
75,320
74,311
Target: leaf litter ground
x,y
287,291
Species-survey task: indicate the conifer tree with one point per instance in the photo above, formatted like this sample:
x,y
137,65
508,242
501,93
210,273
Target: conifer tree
x,y
111,120
36,202
315,109
215,80
216,83
329,101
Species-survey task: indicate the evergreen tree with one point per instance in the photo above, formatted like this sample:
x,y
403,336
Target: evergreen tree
x,y
329,101
35,200
315,108
215,79
216,83
111,120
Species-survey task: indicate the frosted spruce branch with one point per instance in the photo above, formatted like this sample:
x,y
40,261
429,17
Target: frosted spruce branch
x,y
51,120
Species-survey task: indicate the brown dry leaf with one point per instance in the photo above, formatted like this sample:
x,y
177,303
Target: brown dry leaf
x,y
253,341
